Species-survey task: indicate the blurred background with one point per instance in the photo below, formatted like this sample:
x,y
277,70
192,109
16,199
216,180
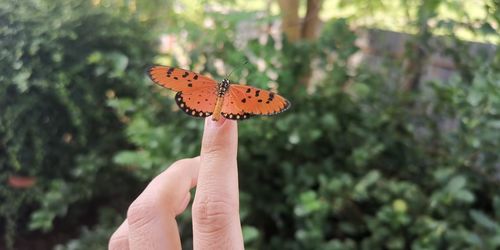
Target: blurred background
x,y
392,141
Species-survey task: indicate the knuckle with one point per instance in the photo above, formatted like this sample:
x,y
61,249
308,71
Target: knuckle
x,y
210,148
141,212
213,215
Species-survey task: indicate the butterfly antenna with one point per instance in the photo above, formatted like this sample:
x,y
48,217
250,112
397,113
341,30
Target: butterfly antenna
x,y
241,65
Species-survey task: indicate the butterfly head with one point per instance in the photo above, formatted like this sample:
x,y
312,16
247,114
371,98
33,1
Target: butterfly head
x,y
222,87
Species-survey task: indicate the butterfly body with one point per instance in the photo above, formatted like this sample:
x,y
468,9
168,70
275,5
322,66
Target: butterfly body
x,y
200,96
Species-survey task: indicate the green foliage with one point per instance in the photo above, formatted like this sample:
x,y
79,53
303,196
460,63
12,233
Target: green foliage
x,y
356,163
61,62
96,237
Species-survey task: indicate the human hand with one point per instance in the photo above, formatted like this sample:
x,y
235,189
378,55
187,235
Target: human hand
x,y
150,222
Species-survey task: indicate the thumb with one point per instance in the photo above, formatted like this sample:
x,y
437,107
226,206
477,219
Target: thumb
x,y
216,220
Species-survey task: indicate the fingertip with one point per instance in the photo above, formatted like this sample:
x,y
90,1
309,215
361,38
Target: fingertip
x,y
220,139
211,123
186,167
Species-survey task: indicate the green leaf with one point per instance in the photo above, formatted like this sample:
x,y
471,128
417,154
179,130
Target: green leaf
x,y
134,158
484,220
21,80
309,203
250,234
366,182
464,195
41,220
456,183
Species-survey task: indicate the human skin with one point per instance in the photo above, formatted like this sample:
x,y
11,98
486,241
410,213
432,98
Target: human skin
x,y
150,222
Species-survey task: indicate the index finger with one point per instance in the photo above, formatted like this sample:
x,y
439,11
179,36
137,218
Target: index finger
x,y
216,220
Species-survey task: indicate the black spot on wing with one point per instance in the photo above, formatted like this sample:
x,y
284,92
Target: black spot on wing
x,y
170,71
271,96
286,106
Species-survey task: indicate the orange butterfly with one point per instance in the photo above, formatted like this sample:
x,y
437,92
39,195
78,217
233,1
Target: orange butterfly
x,y
201,96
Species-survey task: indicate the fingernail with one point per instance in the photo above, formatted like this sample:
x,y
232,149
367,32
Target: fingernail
x,y
215,124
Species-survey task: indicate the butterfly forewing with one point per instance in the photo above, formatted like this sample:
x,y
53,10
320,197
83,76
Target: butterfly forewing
x,y
178,79
257,101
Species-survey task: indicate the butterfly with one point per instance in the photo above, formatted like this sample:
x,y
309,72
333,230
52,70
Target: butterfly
x,y
201,96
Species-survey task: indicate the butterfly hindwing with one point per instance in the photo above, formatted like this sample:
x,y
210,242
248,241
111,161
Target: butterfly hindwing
x,y
178,79
197,103
232,111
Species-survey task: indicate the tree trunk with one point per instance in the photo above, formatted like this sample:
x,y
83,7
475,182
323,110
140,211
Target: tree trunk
x,y
311,20
296,29
291,23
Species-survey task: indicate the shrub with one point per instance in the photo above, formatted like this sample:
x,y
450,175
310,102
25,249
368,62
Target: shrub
x,y
358,164
61,62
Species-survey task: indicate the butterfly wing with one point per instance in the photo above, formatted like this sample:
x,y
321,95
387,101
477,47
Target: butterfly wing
x,y
196,94
178,79
231,110
199,102
253,101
